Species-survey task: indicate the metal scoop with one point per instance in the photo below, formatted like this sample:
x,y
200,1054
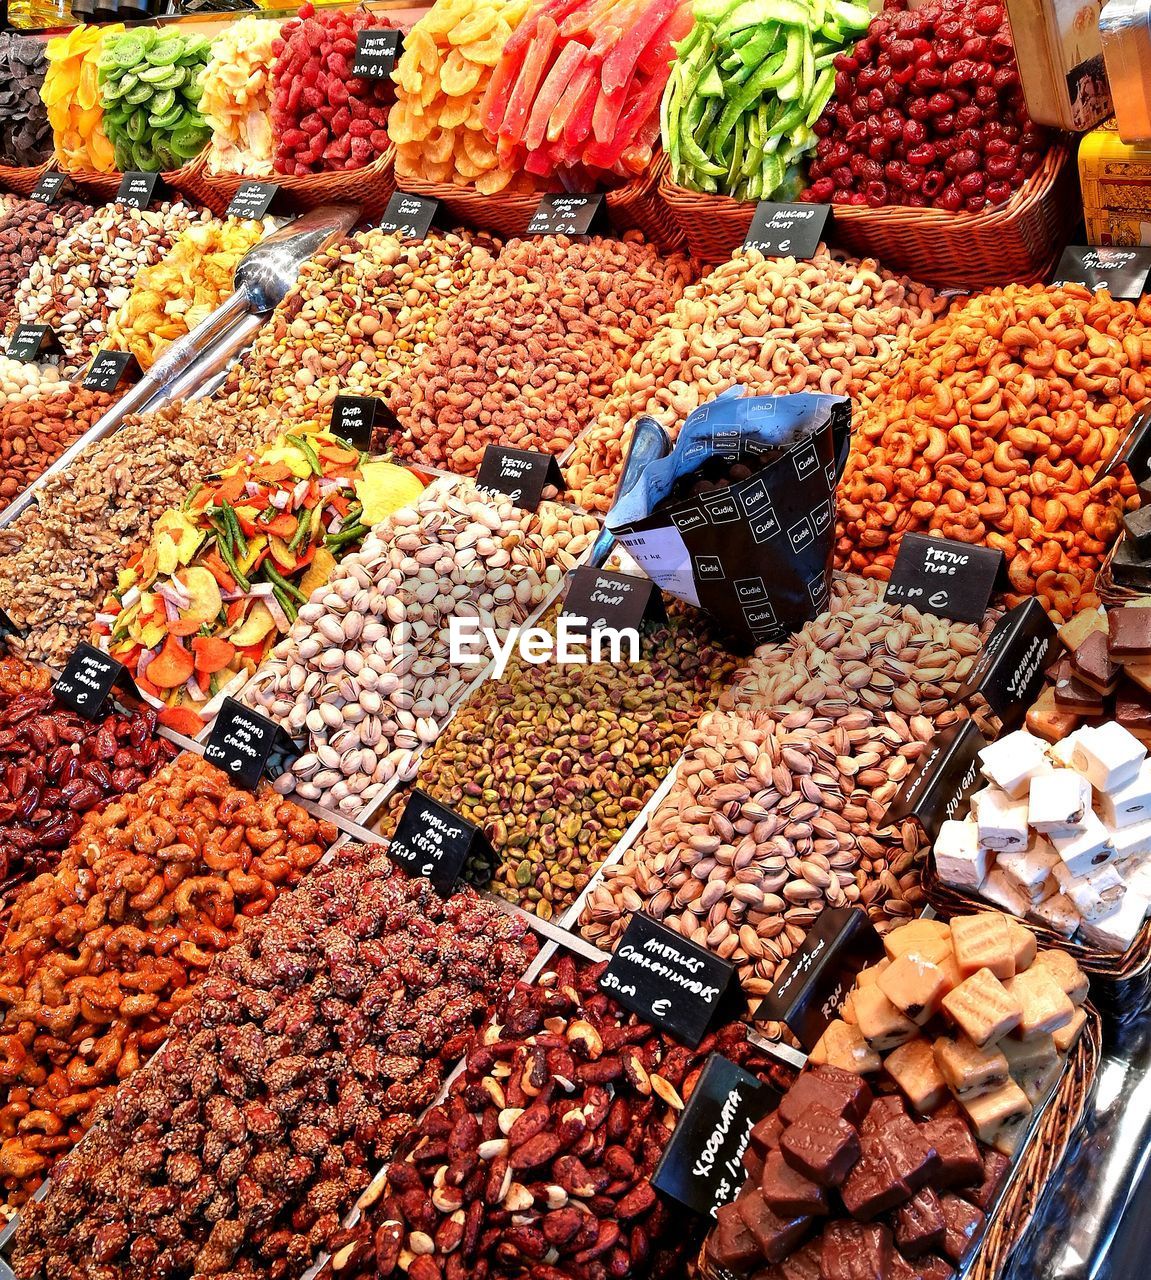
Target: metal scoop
x,y
263,278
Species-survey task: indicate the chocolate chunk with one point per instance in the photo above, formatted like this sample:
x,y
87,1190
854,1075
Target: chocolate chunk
x,y
960,1164
934,1268
919,1224
787,1191
910,1155
841,1092
803,1263
1133,708
995,1169
882,1112
775,1236
901,1269
765,1135
1092,663
822,1146
1138,527
1129,567
871,1188
853,1251
753,1163
731,1244
963,1223
1129,631
1072,694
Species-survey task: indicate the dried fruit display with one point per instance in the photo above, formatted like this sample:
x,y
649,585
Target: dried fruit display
x,y
555,760
71,93
358,317
290,1075
992,432
237,98
226,572
539,1161
928,111
61,557
56,767
101,952
775,325
528,352
324,118
576,93
150,91
441,80
366,670
171,297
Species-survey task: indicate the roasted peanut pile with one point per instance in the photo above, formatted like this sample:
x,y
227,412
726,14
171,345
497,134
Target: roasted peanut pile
x,y
776,808
59,559
992,432
55,766
539,1162
27,231
357,318
366,669
171,297
288,1077
554,760
775,325
83,282
35,434
100,953
528,352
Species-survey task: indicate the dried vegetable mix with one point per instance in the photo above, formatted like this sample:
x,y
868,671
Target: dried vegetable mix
x,y
305,1055
100,953
226,572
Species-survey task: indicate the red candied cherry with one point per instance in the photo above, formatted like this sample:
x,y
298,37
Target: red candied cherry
x,y
923,155
973,204
971,184
821,190
998,192
987,19
950,199
876,194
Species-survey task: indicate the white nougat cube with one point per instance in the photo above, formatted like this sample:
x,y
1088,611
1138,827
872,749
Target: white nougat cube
x,y
1002,822
1003,892
1030,868
1117,931
1133,841
1137,877
1012,761
1057,800
1088,847
1129,803
1107,755
959,860
1057,913
1096,895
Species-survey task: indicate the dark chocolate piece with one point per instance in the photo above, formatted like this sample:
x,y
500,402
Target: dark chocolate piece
x,y
995,1168
963,1223
731,1244
871,1188
787,1191
753,1163
842,1093
881,1113
1129,568
919,1224
909,1153
934,1268
854,1251
1133,708
1071,694
1093,666
1129,630
765,1135
803,1263
901,1269
775,1236
960,1164
1138,526
822,1146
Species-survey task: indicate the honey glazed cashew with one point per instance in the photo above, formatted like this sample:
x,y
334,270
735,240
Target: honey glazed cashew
x,y
102,952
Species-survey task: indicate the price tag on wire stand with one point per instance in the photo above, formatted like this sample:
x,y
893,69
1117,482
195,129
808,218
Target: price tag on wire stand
x,y
88,678
565,214
109,368
431,840
523,474
787,230
409,216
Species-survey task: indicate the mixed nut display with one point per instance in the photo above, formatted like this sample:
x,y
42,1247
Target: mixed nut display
x,y
356,930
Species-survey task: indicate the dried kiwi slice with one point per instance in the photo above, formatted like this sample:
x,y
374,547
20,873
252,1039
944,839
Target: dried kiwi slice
x,y
154,75
141,93
137,125
162,102
189,142
165,52
169,120
124,50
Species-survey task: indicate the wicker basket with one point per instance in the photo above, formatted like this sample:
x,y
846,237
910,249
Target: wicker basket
x,y
634,206
1017,242
191,183
1040,1158
1132,963
23,181
370,187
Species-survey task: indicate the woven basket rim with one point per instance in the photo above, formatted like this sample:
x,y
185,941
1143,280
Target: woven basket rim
x,y
1030,193
1116,966
1046,1145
